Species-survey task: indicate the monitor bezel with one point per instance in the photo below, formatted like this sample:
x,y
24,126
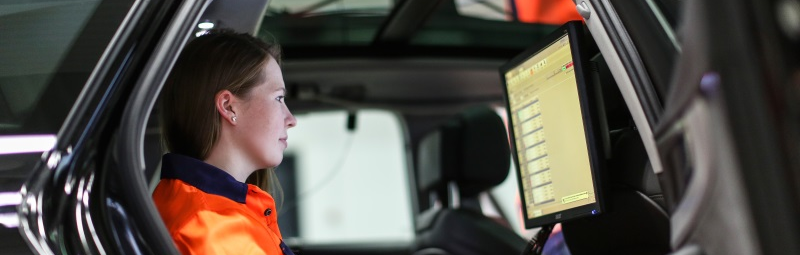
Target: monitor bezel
x,y
590,116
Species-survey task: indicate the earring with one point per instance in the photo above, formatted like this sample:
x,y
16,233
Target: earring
x,y
233,118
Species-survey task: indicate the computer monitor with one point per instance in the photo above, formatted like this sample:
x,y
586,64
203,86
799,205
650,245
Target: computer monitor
x,y
553,126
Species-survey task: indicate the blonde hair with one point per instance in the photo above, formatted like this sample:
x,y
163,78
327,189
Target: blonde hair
x,y
220,60
267,180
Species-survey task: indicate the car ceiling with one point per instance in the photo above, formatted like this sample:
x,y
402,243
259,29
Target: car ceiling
x,y
414,86
390,72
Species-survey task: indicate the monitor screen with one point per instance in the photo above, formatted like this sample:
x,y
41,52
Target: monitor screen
x,y
551,127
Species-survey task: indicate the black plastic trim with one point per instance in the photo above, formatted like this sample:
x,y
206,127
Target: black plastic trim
x,y
404,21
648,98
657,51
129,147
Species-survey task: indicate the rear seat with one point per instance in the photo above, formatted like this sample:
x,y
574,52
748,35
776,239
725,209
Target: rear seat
x,y
463,158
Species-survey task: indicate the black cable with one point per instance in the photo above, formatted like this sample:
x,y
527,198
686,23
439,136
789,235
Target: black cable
x,y
536,244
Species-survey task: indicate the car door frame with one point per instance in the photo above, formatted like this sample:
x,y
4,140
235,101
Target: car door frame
x,y
87,160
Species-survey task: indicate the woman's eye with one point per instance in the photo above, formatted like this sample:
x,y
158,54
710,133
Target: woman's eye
x,y
280,98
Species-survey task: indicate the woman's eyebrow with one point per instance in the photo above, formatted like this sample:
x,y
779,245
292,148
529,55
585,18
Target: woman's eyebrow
x,y
284,89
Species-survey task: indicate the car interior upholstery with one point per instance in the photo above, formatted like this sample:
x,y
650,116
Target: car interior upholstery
x,y
467,155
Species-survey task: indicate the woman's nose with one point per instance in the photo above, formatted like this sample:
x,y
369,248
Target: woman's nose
x,y
291,121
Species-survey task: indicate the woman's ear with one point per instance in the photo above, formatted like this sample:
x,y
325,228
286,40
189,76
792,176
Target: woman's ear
x,y
224,102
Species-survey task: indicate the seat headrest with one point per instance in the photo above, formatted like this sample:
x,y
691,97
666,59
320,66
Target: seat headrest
x,y
484,152
437,157
471,149
429,163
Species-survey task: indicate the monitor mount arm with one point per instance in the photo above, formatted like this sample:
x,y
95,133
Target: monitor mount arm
x,y
536,244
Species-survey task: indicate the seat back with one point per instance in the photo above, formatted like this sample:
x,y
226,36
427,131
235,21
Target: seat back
x,y
634,221
463,158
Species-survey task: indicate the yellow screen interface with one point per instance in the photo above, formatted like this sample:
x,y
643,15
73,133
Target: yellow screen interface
x,y
549,133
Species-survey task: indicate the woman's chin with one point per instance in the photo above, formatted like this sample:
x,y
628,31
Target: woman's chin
x,y
274,162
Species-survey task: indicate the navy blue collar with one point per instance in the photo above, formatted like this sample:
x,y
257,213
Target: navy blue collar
x,y
203,176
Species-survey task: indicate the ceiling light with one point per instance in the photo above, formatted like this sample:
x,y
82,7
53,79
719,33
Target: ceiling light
x,y
207,24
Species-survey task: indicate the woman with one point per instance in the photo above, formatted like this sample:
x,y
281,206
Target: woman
x,y
223,118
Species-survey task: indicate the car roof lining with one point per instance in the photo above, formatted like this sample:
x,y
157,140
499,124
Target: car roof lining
x,y
403,85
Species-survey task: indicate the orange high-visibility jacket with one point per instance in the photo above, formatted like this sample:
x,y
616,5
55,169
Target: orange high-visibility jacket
x,y
207,211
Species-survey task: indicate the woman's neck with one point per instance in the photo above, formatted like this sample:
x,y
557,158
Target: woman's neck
x,y
230,160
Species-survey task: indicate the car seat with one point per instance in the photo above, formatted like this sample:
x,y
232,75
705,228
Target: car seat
x,y
634,220
466,156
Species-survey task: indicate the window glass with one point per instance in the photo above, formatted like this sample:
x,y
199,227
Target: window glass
x,y
460,23
554,12
307,8
36,37
494,23
346,186
47,51
313,22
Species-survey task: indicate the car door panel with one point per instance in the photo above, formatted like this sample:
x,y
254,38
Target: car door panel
x,y
731,108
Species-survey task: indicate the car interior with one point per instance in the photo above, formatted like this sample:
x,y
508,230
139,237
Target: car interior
x,y
458,141
410,139
457,162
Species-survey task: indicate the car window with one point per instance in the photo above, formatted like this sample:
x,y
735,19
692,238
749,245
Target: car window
x,y
304,22
48,50
307,8
36,38
554,12
346,186
462,23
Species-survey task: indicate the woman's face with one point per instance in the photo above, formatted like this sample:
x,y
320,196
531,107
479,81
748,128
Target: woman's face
x,y
264,119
